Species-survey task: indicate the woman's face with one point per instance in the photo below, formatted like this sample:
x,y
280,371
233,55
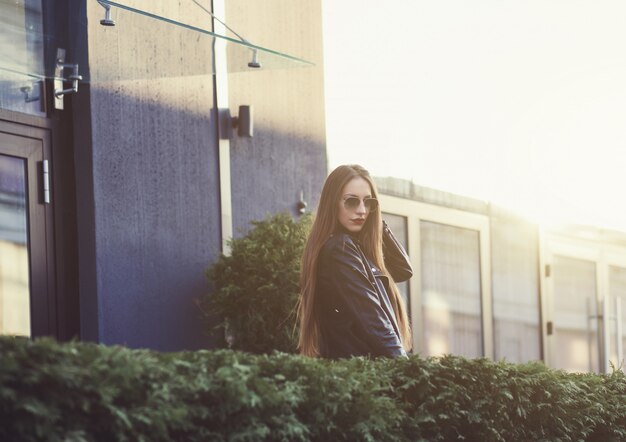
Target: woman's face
x,y
350,217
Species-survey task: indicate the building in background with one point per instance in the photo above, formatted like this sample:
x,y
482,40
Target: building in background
x,y
488,283
117,196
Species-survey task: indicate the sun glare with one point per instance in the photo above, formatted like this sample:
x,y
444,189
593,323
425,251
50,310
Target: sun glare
x,y
515,104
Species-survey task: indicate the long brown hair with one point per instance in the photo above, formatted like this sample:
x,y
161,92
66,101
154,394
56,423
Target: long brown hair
x,y
325,224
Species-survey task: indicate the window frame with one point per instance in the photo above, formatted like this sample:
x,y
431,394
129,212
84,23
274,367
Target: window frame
x,y
415,212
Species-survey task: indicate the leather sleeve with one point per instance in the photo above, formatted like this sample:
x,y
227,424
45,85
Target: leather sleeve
x,y
396,259
344,273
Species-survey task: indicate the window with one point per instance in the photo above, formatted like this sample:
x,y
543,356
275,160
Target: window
x,y
397,224
450,292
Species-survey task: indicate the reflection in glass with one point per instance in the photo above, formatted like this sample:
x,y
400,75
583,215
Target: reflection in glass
x,y
397,224
517,332
22,61
451,291
14,270
575,315
617,290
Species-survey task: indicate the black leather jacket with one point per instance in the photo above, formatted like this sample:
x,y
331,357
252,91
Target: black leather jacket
x,y
355,314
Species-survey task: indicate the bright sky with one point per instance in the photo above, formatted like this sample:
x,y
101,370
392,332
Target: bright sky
x,y
522,103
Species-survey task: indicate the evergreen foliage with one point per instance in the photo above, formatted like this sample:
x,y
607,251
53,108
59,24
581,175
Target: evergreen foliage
x,y
85,392
257,286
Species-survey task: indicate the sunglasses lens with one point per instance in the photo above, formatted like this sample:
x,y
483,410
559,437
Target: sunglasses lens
x,y
370,203
351,203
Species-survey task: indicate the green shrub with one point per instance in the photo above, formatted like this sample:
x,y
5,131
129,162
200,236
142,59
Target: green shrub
x,y
256,287
84,392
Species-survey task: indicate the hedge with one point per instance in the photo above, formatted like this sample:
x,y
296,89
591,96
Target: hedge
x,y
256,287
83,392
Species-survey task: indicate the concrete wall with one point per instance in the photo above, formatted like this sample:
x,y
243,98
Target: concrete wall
x,y
288,152
147,181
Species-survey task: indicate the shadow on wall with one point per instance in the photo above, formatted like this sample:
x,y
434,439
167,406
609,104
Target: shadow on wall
x,y
156,202
271,172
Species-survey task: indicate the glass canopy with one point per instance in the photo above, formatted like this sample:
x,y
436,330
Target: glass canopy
x,y
142,45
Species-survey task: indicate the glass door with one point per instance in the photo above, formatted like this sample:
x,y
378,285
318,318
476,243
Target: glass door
x,y
26,307
576,315
616,310
14,267
584,283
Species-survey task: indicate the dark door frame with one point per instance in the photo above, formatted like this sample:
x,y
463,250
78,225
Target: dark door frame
x,y
33,145
55,131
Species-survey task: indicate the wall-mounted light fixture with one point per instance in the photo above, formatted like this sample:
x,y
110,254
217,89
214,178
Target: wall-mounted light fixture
x,y
107,20
244,122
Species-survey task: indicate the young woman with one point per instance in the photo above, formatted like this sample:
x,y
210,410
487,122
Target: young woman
x,y
349,302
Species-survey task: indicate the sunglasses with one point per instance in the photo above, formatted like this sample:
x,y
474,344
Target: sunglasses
x,y
352,203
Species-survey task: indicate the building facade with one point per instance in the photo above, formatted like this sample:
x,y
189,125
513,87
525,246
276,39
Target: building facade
x,y
488,283
118,193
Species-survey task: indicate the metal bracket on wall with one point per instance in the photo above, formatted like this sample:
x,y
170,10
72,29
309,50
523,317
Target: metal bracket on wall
x,y
60,80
